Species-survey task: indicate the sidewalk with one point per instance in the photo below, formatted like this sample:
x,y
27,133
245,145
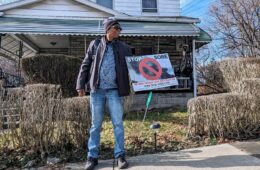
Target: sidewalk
x,y
235,156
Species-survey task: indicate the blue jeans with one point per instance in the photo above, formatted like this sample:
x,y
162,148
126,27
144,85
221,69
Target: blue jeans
x,y
98,101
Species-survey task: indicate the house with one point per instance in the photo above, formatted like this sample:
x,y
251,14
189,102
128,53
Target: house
x,y
149,26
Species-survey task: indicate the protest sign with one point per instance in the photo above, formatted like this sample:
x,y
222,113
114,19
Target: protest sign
x,y
151,72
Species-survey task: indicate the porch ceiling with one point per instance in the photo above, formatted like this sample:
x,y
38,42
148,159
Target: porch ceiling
x,y
94,27
10,48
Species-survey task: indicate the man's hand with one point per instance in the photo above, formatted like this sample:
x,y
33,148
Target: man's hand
x,y
81,92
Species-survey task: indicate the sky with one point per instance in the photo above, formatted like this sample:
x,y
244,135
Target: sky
x,y
200,9
197,9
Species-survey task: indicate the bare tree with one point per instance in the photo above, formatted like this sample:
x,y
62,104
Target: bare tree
x,y
237,24
210,78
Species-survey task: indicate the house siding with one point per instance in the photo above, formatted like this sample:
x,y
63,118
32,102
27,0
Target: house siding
x,y
54,9
169,7
70,8
134,7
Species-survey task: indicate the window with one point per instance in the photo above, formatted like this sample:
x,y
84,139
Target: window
x,y
149,5
106,3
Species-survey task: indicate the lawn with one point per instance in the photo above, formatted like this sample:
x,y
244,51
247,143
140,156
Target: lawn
x,y
139,138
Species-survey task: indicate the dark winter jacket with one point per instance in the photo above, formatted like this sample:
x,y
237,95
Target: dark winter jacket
x,y
88,77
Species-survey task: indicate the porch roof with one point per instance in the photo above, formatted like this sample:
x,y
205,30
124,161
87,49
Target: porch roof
x,y
204,37
94,27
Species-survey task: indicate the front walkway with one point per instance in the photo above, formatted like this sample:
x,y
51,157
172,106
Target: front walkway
x,y
236,156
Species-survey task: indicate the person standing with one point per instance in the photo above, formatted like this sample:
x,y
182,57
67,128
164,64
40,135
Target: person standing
x,y
104,74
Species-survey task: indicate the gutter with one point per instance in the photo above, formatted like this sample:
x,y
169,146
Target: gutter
x,y
161,19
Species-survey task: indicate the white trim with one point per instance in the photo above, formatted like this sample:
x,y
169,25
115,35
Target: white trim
x,y
17,4
160,19
203,41
99,34
58,17
196,28
2,14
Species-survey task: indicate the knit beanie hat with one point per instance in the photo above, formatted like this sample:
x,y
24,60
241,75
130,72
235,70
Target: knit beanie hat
x,y
109,23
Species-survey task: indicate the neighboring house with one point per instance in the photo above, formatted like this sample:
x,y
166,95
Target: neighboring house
x,y
149,26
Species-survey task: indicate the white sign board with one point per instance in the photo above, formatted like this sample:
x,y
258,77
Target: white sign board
x,y
151,72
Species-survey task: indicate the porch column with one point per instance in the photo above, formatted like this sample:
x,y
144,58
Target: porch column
x,y
158,45
85,45
194,68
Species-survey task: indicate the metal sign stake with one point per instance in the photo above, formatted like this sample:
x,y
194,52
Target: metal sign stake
x,y
148,101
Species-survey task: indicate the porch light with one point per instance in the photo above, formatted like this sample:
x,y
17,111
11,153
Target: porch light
x,y
155,127
53,43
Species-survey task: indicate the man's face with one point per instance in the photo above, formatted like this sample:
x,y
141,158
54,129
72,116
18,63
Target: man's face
x,y
114,31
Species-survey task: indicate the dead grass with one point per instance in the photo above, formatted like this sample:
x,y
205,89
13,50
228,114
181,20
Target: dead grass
x,y
139,138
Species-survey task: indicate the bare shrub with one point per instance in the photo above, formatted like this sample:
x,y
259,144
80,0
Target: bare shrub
x,y
248,87
77,115
53,69
1,87
47,123
235,70
11,103
224,115
128,102
41,109
230,115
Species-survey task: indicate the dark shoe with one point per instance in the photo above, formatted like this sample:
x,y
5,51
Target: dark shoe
x,y
121,162
91,163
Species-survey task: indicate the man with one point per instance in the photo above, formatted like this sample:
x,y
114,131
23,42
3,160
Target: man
x,y
104,73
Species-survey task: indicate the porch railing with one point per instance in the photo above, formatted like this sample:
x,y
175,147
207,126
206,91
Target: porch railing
x,y
185,83
9,119
11,80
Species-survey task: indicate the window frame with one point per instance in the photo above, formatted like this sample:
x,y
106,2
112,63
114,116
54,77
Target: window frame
x,y
113,3
149,10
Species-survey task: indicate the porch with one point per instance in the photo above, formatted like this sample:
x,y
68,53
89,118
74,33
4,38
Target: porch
x,y
72,37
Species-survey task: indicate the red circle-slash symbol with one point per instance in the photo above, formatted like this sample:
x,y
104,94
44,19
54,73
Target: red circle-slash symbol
x,y
151,72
